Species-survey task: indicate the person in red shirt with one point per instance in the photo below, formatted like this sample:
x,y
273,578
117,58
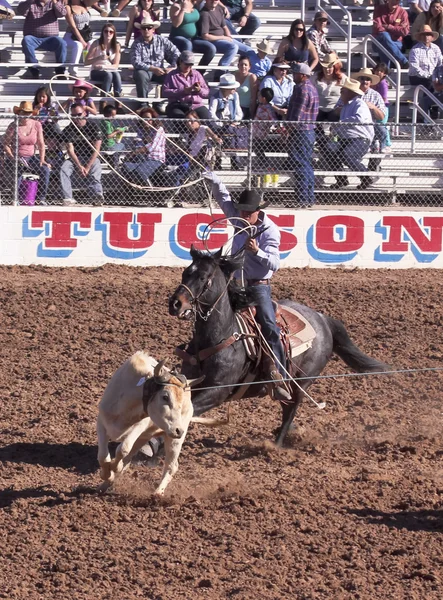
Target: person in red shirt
x,y
391,24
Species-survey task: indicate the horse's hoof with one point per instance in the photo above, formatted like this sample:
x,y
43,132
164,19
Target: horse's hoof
x,y
104,487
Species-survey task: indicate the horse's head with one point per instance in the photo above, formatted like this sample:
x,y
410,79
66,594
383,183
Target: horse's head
x,y
203,283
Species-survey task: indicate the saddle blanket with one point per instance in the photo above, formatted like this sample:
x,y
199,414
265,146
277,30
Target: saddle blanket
x,y
299,331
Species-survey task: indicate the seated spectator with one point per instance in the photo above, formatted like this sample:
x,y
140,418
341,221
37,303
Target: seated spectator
x,y
317,35
381,70
280,84
264,115
81,90
104,57
186,89
328,82
354,141
214,29
437,84
111,134
424,58
184,33
247,90
120,6
200,136
390,26
22,141
83,165
78,32
148,158
297,47
6,11
143,8
260,61
47,111
41,32
416,8
432,17
148,56
242,15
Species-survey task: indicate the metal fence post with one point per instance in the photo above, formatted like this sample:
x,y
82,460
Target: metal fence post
x,y
16,162
250,129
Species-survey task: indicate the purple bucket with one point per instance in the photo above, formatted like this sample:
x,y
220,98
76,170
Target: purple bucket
x,y
27,190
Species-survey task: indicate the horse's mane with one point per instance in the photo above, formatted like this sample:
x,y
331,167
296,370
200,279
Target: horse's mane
x,y
239,297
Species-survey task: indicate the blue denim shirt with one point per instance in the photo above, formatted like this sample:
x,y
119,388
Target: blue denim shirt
x,y
267,261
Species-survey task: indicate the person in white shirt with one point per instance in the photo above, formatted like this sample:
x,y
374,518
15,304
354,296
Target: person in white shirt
x,y
424,58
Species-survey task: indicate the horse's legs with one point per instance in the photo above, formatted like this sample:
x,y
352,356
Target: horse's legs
x,y
288,414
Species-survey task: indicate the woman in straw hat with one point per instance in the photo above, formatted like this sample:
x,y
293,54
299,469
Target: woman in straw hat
x,y
328,82
280,84
424,57
27,137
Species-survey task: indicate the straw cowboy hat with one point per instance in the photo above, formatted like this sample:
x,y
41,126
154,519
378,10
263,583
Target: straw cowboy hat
x,y
25,107
353,85
265,46
228,82
147,21
329,60
367,73
79,83
426,29
249,201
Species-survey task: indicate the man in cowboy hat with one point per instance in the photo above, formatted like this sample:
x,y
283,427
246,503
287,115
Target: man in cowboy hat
x,y
262,260
260,61
41,32
355,140
391,25
148,55
317,34
303,109
424,58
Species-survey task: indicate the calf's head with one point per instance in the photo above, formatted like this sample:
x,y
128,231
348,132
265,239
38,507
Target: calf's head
x,y
167,400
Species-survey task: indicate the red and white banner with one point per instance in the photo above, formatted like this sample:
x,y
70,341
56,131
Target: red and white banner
x,y
84,236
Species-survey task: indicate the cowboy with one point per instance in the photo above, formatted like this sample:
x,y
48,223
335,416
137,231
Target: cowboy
x,y
353,141
424,58
149,54
317,34
262,260
260,61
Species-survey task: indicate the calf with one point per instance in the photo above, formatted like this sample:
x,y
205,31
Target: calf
x,y
144,400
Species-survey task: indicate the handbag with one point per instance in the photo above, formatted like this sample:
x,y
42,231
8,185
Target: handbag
x,y
86,34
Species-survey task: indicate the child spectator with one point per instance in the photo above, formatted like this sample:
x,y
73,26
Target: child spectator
x,y
265,112
47,111
260,61
199,137
381,70
81,90
111,134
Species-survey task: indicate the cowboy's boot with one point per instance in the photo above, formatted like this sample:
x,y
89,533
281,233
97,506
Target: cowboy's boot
x,y
278,389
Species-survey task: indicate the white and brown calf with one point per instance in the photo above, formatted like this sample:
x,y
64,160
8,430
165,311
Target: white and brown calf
x,y
132,412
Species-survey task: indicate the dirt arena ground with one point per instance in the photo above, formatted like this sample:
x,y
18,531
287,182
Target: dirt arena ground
x,y
352,508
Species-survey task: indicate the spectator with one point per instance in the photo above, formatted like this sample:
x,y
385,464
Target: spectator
x,y
83,142
260,61
184,33
328,82
111,134
150,157
41,32
47,111
81,90
104,57
78,32
303,109
6,11
432,17
120,6
424,58
297,47
21,141
280,84
185,89
416,8
148,56
247,91
317,35
242,15
353,141
390,26
213,28
437,84
202,143
381,70
143,8
264,115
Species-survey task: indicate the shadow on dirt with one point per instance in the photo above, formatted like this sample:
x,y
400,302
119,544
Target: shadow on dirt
x,y
50,497
413,520
76,457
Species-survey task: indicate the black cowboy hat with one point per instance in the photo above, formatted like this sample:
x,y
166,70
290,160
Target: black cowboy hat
x,y
249,201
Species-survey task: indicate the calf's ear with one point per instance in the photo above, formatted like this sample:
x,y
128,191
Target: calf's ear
x,y
192,382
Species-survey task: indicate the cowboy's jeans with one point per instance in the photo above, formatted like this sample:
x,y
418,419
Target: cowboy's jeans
x,y
92,181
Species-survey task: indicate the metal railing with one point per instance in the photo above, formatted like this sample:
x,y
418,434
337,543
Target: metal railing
x,y
417,109
347,34
397,83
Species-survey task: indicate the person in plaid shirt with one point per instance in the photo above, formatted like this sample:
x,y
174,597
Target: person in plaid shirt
x,y
303,108
317,34
424,58
41,32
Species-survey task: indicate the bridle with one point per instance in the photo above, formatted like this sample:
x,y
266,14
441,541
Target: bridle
x,y
196,302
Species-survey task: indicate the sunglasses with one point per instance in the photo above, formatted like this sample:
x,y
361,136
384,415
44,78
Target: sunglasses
x,y
298,29
108,31
76,114
147,27
323,21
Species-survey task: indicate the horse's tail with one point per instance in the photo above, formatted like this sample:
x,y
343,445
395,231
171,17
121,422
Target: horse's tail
x,y
348,351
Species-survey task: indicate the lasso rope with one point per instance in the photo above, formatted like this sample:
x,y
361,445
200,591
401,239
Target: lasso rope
x,y
131,183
